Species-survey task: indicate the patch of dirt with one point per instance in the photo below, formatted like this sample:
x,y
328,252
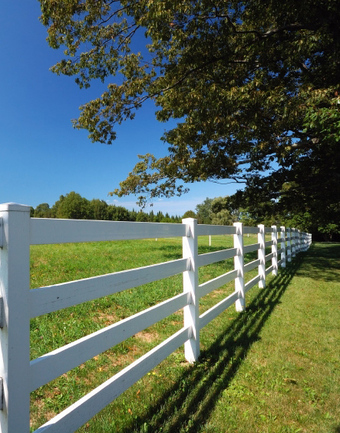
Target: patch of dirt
x,y
146,336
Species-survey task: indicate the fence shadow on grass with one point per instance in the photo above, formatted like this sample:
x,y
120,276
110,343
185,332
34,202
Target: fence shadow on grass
x,y
188,403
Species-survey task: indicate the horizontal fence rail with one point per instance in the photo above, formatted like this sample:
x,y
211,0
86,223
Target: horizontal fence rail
x,y
18,304
52,298
67,231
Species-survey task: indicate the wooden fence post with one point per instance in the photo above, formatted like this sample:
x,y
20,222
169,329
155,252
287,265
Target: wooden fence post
x,y
240,303
190,285
296,249
274,250
261,239
307,237
283,246
15,319
293,232
289,245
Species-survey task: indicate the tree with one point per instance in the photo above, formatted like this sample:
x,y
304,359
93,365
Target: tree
x,y
74,206
159,217
222,218
189,214
151,216
203,211
43,210
119,213
98,209
166,218
330,230
254,86
225,207
142,217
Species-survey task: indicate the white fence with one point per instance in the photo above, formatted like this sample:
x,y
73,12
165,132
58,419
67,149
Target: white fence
x,y
18,304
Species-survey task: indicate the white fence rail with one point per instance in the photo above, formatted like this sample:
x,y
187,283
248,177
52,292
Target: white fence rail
x,y
18,304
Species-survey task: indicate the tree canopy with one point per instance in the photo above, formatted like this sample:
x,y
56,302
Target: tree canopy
x,y
253,84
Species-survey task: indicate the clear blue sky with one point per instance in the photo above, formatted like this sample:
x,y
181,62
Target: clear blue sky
x,y
42,156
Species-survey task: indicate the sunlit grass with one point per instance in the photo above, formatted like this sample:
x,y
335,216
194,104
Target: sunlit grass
x,y
52,264
272,368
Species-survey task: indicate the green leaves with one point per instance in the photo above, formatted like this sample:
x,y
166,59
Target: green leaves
x,y
254,86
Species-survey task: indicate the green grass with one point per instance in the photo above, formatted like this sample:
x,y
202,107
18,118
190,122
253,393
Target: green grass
x,y
273,368
289,379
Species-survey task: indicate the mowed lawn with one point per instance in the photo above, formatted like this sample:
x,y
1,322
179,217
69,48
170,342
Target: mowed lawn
x,y
272,368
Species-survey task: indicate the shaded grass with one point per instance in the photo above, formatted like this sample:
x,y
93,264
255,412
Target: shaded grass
x,y
188,405
273,368
281,377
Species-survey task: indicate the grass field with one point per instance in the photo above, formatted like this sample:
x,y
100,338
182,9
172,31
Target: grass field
x,y
272,368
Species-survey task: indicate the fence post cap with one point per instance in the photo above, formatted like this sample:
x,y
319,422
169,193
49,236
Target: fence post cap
x,y
14,207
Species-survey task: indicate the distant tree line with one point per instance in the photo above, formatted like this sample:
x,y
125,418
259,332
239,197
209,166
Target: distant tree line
x,y
217,211
74,206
